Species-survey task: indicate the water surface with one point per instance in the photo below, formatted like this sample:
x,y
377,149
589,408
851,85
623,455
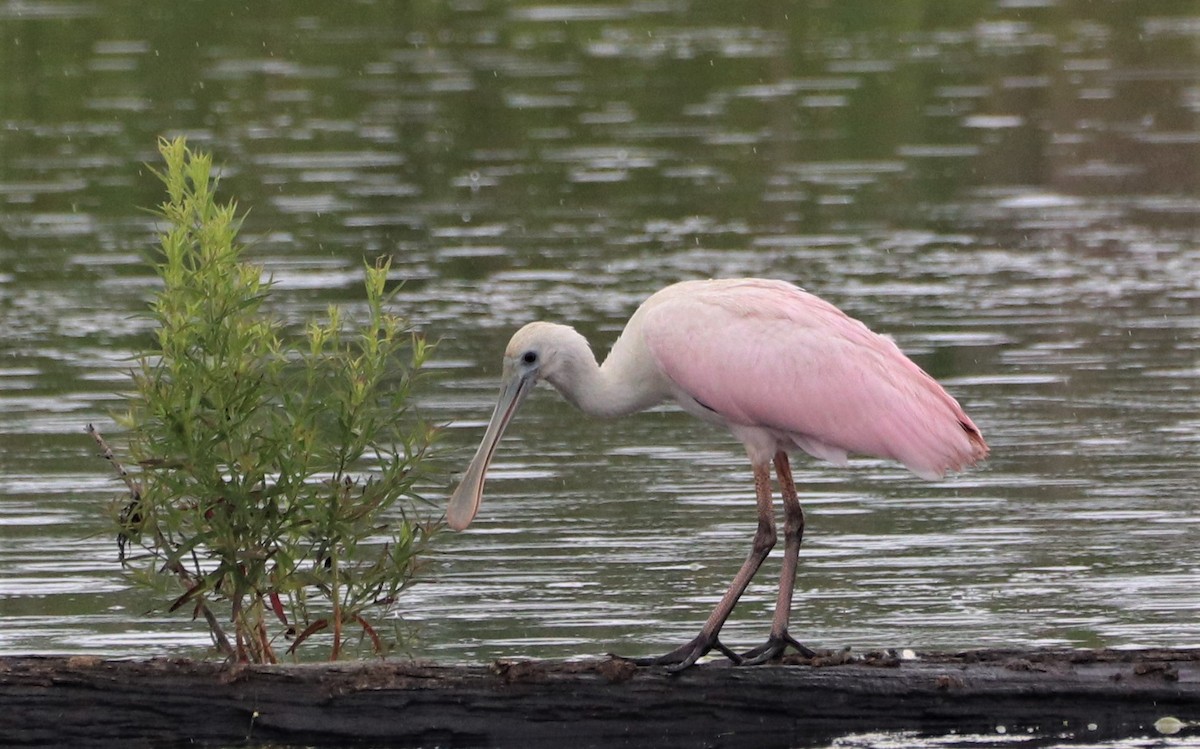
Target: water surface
x,y
1009,189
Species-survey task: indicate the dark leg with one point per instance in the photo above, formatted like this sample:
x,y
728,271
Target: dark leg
x,y
764,540
793,533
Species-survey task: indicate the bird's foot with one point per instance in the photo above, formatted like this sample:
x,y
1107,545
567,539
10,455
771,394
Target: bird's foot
x,y
773,648
686,655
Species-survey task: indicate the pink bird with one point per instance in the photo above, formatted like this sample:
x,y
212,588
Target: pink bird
x,y
780,368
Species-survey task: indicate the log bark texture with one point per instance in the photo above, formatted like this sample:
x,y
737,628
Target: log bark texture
x,y
1083,694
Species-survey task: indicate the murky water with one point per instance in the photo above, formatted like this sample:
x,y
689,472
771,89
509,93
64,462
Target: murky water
x,y
1010,189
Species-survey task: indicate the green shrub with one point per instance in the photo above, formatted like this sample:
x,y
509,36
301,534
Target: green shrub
x,y
272,468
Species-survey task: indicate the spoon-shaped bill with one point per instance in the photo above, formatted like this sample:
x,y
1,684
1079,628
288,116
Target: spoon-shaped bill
x,y
465,500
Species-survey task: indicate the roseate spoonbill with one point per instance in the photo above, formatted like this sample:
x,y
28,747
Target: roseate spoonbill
x,y
780,368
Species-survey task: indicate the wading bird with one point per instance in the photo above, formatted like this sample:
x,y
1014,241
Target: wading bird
x,y
780,368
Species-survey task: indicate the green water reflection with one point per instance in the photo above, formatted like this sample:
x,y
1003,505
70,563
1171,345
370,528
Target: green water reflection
x,y
1008,188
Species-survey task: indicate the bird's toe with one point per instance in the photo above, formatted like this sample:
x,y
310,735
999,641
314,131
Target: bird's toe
x,y
686,655
774,648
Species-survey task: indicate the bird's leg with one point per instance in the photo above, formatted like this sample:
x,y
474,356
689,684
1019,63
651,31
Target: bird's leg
x,y
764,540
793,534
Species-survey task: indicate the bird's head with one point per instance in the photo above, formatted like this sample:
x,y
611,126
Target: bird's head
x,y
544,351
538,351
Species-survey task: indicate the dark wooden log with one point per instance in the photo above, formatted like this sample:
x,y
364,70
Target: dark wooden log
x,y
1095,695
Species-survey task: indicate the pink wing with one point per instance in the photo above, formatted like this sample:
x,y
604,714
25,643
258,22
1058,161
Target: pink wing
x,y
766,354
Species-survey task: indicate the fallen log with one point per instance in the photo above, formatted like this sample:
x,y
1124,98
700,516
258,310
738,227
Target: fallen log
x,y
1062,694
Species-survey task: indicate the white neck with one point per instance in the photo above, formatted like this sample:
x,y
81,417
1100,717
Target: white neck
x,y
626,383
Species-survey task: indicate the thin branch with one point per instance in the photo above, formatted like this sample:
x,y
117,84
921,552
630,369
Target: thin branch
x,y
131,515
135,491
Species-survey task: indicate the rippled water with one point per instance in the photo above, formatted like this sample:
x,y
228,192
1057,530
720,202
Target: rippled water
x,y
1010,189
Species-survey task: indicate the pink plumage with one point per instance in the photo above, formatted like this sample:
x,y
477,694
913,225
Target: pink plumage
x,y
781,368
767,355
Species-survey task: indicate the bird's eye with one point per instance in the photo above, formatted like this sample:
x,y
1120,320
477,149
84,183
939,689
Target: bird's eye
x,y
530,357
